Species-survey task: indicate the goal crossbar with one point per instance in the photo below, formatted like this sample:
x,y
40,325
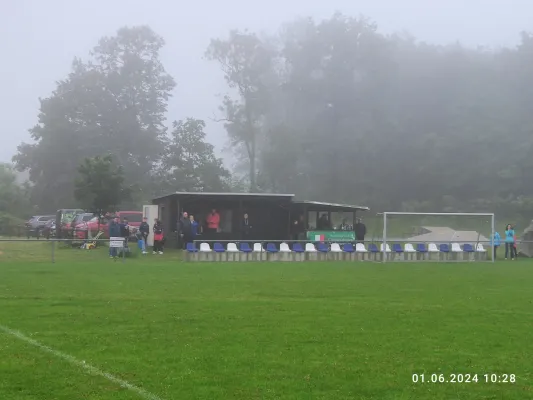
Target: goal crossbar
x,y
385,214
445,214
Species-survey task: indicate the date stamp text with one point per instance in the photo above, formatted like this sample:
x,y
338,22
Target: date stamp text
x,y
463,378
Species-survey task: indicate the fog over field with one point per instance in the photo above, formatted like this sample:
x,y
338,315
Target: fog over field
x,y
410,105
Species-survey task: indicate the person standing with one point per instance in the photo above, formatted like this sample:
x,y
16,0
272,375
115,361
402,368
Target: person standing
x,y
496,241
114,231
125,232
509,242
323,223
297,227
158,237
194,229
144,230
184,230
246,227
360,231
514,246
213,222
187,230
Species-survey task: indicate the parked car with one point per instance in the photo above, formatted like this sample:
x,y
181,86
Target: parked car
x,y
134,220
35,225
81,219
64,218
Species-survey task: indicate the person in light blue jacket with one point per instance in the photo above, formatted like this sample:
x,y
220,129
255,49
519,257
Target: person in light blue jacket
x,y
496,241
509,241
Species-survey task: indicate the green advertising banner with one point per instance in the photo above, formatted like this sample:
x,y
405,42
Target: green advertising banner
x,y
329,236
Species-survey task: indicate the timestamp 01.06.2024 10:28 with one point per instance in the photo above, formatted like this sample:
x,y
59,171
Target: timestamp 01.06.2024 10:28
x,y
464,378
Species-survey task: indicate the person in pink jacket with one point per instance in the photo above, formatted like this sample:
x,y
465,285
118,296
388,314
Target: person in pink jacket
x,y
213,221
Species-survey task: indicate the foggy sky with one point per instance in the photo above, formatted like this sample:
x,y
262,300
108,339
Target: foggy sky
x,y
39,39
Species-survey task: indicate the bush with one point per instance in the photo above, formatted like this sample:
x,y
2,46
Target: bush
x,y
11,225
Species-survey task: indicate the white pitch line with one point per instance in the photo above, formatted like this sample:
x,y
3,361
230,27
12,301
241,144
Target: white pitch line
x,y
88,368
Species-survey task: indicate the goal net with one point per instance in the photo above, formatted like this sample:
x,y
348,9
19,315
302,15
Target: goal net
x,y
446,237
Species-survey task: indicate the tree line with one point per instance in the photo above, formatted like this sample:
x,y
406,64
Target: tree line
x,y
335,110
113,106
330,110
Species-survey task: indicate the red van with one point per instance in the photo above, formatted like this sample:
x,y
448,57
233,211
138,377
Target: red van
x,y
134,220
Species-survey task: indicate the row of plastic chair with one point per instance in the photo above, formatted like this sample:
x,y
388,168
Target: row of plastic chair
x,y
432,248
337,248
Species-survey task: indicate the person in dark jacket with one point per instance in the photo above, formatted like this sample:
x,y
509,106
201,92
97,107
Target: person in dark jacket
x,y
298,228
144,230
185,230
323,223
125,231
114,231
360,231
246,227
158,237
125,228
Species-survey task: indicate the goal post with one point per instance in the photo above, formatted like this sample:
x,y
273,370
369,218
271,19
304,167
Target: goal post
x,y
488,217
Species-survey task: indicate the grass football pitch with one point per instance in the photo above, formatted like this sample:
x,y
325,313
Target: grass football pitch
x,y
161,329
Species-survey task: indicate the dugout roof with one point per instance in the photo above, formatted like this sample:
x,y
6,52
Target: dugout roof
x,y
278,197
214,196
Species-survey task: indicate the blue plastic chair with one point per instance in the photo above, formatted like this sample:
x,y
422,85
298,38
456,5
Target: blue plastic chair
x,y
191,248
397,248
245,248
373,248
421,248
298,248
218,248
444,248
271,248
323,247
348,248
468,248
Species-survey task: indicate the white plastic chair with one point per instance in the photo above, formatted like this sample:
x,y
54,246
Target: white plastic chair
x,y
360,248
335,248
258,248
232,248
456,248
408,248
284,248
205,248
310,248
387,248
432,248
480,248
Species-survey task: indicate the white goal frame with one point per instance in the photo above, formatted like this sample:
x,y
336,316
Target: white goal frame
x,y
385,214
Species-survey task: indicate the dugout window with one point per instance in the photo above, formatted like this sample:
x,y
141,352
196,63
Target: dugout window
x,y
342,221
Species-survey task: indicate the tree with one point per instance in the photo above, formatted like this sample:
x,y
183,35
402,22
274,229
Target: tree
x,y
113,104
13,199
334,71
100,187
348,114
189,163
14,203
248,66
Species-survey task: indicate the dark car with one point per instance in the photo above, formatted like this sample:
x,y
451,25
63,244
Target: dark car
x,y
36,224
